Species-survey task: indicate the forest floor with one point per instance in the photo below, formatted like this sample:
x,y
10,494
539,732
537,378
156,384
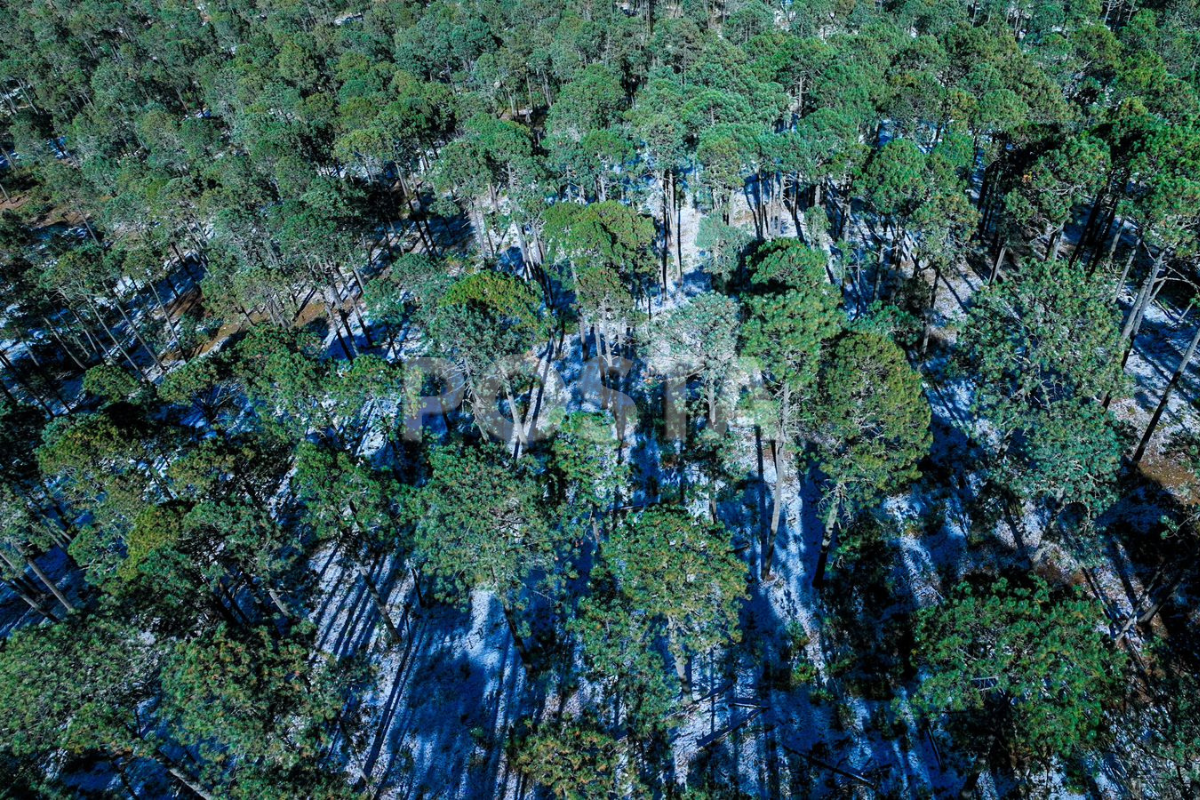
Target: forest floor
x,y
799,706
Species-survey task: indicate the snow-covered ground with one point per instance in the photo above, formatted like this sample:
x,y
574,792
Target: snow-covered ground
x,y
445,699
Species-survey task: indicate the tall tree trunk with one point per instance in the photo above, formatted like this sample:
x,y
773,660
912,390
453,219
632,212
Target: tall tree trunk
x,y
362,322
1089,227
416,576
1054,245
167,316
776,510
277,600
181,776
886,247
681,672
24,385
380,604
229,608
1112,249
514,415
31,600
63,344
678,201
518,642
827,538
120,347
1134,323
345,318
24,588
1110,220
38,367
929,312
1176,377
98,351
1158,594
978,766
46,579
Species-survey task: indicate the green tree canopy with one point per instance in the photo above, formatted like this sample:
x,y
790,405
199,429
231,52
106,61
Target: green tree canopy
x,y
1032,670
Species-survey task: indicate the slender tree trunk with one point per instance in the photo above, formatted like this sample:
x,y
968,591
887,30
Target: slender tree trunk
x,y
40,368
416,576
63,518
1134,323
777,509
87,225
345,318
1163,595
182,260
518,642
167,316
230,605
380,604
115,340
518,425
681,672
122,769
183,777
30,599
1153,590
277,600
666,251
885,249
1176,377
983,200
827,539
170,279
762,493
1112,248
977,767
1054,245
668,227
98,351
24,385
481,237
1089,227
62,343
997,263
10,397
678,201
362,321
46,579
1110,220
929,312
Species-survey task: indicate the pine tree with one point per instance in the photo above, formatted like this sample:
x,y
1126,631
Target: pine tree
x,y
483,527
871,427
683,576
787,335
1029,669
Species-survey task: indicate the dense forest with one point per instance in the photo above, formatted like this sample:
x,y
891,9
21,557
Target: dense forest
x,y
705,399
